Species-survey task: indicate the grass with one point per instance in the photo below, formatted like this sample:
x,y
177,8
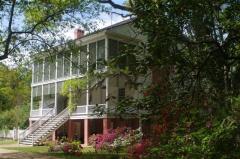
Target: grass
x,y
30,149
88,153
89,156
7,141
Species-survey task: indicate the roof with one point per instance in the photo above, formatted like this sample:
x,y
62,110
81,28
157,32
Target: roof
x,y
109,27
97,31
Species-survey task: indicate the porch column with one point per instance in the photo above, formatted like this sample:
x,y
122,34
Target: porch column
x,y
106,125
31,105
55,100
54,136
30,123
43,70
70,129
106,79
86,132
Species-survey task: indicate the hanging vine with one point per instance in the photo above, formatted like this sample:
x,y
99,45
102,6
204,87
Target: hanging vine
x,y
72,89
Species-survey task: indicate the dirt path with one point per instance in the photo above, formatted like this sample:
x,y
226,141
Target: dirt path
x,y
3,151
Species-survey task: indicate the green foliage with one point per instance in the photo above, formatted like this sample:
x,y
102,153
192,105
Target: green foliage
x,y
73,148
192,51
25,28
73,89
14,96
15,117
222,141
38,11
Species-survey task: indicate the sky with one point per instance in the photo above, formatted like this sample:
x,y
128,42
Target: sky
x,y
107,20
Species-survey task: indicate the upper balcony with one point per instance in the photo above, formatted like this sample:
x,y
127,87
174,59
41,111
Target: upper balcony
x,y
69,64
74,63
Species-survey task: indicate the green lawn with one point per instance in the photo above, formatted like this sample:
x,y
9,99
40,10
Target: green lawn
x,y
88,153
7,141
30,149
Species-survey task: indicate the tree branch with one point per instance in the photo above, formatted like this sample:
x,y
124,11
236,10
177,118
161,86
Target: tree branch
x,y
29,31
122,15
115,5
9,37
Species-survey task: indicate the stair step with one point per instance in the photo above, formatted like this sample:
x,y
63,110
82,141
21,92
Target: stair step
x,y
26,143
44,130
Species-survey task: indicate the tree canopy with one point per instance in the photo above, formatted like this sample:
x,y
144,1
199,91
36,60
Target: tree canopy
x,y
14,96
194,47
31,26
193,53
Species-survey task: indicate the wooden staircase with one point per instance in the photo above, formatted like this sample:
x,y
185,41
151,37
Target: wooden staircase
x,y
44,127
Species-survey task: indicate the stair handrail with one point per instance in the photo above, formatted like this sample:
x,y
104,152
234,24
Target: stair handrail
x,y
31,128
56,116
59,114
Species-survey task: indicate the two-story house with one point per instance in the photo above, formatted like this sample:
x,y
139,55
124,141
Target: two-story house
x,y
49,115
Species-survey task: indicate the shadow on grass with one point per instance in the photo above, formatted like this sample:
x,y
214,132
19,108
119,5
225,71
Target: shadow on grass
x,y
87,153
89,156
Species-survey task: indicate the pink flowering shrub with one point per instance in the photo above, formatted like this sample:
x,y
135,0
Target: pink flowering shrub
x,y
105,141
115,139
73,148
119,138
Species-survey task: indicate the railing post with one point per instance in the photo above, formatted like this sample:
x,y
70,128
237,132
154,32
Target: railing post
x,y
87,107
18,133
32,139
18,138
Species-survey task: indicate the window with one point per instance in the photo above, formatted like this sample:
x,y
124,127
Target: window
x,y
59,87
49,95
113,48
100,54
52,67
40,71
122,59
46,69
83,59
92,56
67,59
35,72
75,62
121,94
37,97
60,65
119,49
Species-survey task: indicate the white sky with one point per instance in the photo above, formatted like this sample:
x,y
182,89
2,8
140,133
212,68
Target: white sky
x,y
107,20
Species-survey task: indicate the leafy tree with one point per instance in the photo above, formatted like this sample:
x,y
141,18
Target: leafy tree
x,y
31,26
14,96
192,50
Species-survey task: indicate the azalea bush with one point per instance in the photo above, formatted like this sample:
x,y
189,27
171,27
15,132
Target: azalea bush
x,y
65,146
115,139
73,148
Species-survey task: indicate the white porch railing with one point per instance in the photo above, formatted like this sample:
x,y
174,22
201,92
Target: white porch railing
x,y
46,111
87,109
80,110
35,113
42,112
